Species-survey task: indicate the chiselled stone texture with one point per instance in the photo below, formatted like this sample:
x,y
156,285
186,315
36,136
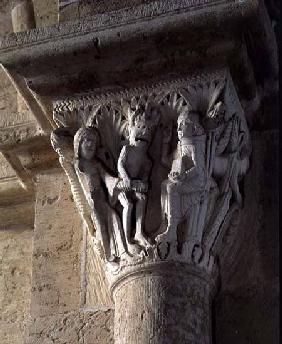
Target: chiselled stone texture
x,y
46,12
15,283
57,290
89,327
10,112
74,9
163,304
23,16
95,289
56,252
5,18
58,267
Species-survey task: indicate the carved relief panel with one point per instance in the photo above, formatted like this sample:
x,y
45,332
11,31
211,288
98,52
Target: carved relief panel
x,y
156,171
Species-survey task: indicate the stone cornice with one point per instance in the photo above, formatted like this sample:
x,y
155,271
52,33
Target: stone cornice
x,y
95,47
154,11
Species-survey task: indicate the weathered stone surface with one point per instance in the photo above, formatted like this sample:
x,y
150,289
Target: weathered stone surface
x,y
12,112
95,287
15,282
89,327
74,9
5,18
56,248
163,304
23,16
46,12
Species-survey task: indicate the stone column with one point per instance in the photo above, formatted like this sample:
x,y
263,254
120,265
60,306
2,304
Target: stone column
x,y
163,303
155,175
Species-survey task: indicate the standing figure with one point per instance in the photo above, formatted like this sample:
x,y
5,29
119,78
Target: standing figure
x,y
134,167
95,180
188,178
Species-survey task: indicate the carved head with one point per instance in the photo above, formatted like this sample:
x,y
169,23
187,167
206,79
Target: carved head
x,y
86,141
188,125
142,124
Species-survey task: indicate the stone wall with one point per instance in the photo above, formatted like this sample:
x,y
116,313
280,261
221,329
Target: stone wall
x,y
15,283
58,314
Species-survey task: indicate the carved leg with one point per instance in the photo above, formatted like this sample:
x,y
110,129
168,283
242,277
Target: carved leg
x,y
170,235
126,221
126,215
234,184
173,204
140,215
103,235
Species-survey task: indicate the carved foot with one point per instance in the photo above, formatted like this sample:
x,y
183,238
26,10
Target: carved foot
x,y
141,240
112,258
167,243
169,236
134,249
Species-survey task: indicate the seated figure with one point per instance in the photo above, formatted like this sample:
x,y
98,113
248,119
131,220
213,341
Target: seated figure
x,y
187,179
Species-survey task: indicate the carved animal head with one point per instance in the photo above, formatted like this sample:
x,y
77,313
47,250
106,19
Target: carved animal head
x,y
86,142
142,124
188,125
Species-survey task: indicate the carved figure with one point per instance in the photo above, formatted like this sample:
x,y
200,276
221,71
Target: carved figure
x,y
187,179
95,180
200,190
134,168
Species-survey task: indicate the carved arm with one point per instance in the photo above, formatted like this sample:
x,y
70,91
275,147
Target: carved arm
x,y
121,164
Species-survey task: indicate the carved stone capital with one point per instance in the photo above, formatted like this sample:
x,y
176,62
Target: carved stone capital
x,y
155,171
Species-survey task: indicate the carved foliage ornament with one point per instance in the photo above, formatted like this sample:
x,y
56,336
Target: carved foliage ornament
x,y
155,173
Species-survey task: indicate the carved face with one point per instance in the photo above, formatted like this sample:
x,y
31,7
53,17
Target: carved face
x,y
88,147
140,134
188,125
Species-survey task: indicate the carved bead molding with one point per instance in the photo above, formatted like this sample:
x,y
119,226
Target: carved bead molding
x,y
156,171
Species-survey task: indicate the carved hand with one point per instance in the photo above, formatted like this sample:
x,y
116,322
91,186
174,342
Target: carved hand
x,y
176,176
124,184
140,186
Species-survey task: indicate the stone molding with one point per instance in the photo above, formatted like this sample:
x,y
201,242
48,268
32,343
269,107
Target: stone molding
x,y
18,133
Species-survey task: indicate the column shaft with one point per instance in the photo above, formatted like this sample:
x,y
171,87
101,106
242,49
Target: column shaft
x,y
162,306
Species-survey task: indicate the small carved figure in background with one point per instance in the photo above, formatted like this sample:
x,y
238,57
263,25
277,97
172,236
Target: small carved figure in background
x,y
95,180
134,167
